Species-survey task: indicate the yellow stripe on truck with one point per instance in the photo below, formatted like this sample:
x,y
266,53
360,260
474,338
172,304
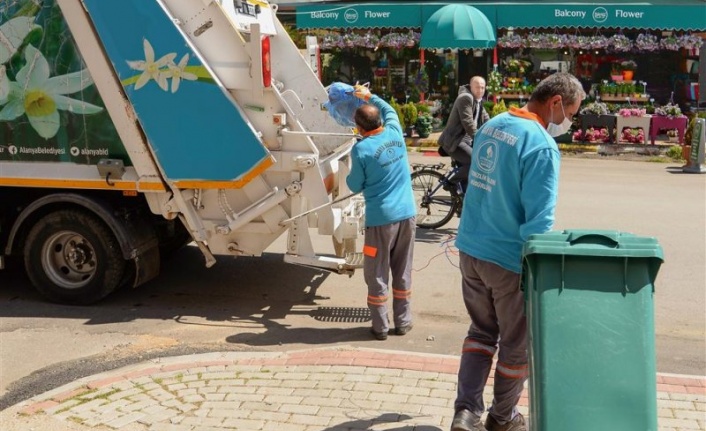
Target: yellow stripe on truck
x,y
83,184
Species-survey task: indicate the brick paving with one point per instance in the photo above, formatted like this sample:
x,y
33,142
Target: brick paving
x,y
331,389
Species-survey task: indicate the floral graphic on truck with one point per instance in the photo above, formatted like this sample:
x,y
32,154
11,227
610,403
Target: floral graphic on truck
x,y
40,96
163,69
50,109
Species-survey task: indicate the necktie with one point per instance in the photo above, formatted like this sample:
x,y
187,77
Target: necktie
x,y
476,111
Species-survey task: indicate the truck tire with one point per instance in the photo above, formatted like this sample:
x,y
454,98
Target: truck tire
x,y
72,257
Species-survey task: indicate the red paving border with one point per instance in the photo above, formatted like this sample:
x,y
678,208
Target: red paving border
x,y
335,357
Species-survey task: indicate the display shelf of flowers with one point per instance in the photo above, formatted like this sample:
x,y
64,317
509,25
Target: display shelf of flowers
x,y
670,117
633,124
598,122
625,91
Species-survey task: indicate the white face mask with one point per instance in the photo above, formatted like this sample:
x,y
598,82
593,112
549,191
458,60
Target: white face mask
x,y
555,130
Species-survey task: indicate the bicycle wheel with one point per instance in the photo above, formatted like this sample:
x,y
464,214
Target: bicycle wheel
x,y
435,206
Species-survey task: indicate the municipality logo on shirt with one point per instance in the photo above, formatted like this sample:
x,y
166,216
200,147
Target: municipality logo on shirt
x,y
350,15
487,156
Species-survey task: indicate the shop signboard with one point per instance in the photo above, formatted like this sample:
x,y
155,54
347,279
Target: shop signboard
x,y
695,164
359,16
681,17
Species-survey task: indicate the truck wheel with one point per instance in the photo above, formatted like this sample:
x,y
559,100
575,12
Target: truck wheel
x,y
72,257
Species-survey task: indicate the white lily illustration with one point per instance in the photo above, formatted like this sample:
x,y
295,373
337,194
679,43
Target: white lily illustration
x,y
152,69
12,33
178,72
4,85
40,96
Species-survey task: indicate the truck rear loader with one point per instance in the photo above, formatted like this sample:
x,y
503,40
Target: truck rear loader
x,y
129,128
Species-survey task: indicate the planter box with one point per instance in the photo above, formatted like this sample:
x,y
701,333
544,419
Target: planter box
x,y
590,120
661,122
635,123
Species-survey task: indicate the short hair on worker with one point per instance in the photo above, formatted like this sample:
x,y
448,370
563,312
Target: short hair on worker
x,y
367,118
561,83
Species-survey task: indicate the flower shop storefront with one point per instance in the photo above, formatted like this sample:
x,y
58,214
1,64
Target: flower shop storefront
x,y
380,43
611,48
630,55
638,63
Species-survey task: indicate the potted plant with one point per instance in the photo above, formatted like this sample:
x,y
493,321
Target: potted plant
x,y
616,73
672,135
670,110
409,114
423,125
628,67
498,108
495,83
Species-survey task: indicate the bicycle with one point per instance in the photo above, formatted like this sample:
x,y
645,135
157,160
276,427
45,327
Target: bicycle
x,y
437,194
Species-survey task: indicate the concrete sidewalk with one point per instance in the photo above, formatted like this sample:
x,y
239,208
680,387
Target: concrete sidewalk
x,y
340,388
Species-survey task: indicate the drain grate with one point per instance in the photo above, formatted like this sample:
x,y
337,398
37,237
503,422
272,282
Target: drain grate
x,y
341,314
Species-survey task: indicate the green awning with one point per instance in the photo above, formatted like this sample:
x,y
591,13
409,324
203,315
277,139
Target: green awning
x,y
626,15
651,14
458,26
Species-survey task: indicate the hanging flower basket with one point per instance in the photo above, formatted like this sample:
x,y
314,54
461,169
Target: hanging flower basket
x,y
689,41
400,40
598,42
646,42
620,43
670,43
512,41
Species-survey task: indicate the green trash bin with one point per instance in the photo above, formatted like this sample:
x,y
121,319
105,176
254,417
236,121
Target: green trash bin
x,y
590,311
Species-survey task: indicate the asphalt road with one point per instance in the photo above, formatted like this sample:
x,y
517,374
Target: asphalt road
x,y
265,304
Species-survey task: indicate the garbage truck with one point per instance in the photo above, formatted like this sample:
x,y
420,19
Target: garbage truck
x,y
129,128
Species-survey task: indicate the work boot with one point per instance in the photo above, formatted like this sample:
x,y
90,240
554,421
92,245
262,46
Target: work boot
x,y
402,330
464,420
516,424
379,335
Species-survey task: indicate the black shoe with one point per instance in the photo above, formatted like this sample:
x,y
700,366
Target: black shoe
x,y
378,335
516,424
464,420
402,330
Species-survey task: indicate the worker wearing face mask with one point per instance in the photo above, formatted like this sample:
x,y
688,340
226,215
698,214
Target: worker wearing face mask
x,y
512,193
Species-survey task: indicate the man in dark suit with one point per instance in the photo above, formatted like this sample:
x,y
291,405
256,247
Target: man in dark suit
x,y
467,115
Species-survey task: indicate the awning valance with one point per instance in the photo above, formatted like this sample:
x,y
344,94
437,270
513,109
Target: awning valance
x,y
687,15
627,16
338,15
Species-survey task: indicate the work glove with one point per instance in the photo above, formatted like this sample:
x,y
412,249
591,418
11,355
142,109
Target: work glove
x,y
362,92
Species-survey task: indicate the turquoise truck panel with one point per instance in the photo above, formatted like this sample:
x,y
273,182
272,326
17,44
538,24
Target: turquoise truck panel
x,y
192,124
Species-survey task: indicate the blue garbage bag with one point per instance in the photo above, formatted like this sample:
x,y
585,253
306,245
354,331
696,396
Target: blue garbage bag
x,y
342,103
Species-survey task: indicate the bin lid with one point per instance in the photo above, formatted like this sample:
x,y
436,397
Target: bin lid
x,y
582,242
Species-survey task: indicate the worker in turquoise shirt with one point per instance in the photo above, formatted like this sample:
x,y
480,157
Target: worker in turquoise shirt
x,y
512,193
380,169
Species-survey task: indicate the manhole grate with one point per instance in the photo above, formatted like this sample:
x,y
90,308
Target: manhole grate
x,y
341,314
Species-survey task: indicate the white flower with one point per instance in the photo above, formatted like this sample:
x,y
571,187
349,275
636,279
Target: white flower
x,y
12,34
152,69
178,72
40,97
